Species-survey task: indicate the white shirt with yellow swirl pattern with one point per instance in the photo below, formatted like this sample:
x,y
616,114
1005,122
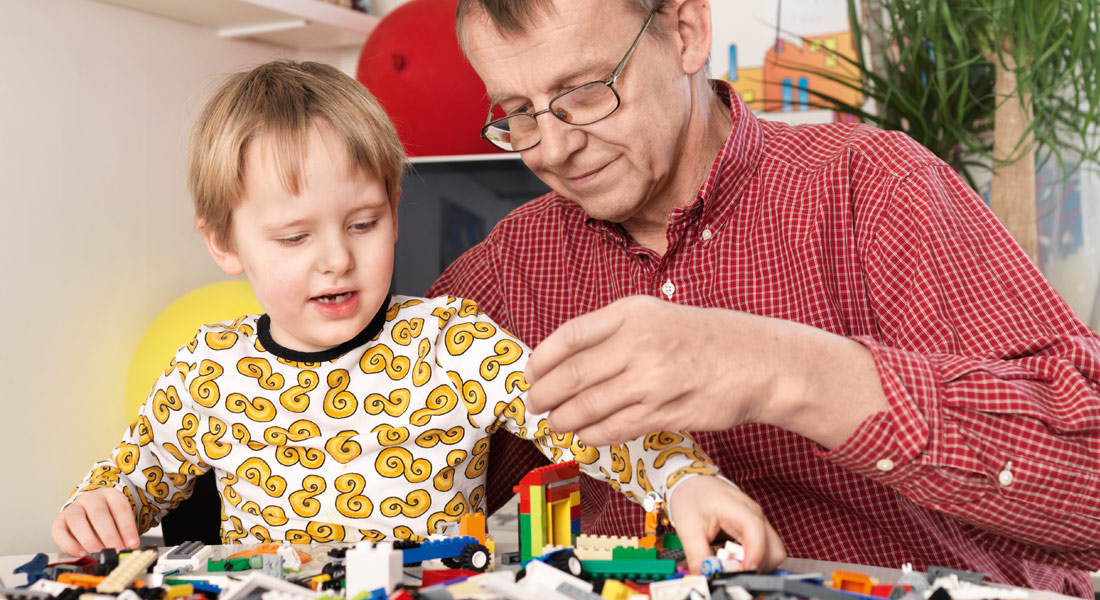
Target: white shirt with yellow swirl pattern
x,y
385,440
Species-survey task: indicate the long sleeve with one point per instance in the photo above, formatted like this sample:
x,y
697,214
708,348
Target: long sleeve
x,y
156,463
993,384
486,364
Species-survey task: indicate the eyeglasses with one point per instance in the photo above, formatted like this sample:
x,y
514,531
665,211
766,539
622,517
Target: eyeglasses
x,y
581,105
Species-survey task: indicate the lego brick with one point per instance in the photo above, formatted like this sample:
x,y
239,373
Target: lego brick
x,y
539,519
605,542
850,581
630,553
525,551
693,586
257,584
369,566
630,568
186,550
127,571
430,577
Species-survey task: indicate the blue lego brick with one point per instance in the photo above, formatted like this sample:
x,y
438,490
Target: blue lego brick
x,y
432,549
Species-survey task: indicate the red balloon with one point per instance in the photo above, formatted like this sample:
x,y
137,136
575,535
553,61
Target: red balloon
x,y
412,63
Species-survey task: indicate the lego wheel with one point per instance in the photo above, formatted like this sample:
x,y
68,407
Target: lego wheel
x,y
474,557
711,566
567,561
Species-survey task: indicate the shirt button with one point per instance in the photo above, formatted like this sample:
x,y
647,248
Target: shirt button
x,y
707,233
885,465
668,288
1005,478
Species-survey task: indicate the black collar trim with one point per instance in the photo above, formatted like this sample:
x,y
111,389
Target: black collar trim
x,y
263,331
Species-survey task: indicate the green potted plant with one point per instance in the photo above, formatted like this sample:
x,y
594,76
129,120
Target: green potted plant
x,y
983,84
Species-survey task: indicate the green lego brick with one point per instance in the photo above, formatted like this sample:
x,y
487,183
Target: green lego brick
x,y
672,541
525,553
639,569
626,553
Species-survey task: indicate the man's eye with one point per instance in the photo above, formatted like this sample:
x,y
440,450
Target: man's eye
x,y
522,110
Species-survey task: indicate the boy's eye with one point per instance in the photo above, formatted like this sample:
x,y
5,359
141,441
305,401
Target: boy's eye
x,y
363,226
290,241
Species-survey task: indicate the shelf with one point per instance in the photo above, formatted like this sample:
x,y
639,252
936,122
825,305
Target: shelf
x,y
307,24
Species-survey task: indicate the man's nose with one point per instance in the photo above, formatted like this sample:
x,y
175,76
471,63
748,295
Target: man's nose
x,y
559,140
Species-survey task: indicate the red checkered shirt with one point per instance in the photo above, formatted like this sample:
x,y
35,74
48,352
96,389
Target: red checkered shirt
x,y
987,459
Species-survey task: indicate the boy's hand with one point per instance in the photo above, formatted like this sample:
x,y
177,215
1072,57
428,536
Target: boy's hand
x,y
96,520
703,506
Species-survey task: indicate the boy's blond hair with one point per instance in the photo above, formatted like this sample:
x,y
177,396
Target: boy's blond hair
x,y
279,101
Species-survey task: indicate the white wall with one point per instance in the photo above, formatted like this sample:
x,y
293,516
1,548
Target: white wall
x,y
95,103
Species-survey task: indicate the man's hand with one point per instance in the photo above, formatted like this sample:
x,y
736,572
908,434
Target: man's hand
x,y
96,520
703,506
642,364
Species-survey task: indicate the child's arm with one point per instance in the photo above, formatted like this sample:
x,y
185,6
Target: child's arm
x,y
661,461
150,471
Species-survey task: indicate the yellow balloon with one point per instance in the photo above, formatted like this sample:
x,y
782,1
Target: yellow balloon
x,y
176,326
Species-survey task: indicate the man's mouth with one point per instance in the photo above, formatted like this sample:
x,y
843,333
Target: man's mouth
x,y
334,298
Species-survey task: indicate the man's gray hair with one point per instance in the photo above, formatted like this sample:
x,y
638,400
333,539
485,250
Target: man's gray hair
x,y
511,17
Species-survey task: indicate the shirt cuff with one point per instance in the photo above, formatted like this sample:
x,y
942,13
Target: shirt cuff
x,y
890,446
672,492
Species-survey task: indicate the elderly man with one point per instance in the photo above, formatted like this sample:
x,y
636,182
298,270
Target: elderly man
x,y
862,347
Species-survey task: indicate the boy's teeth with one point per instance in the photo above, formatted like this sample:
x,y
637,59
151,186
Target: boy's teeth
x,y
334,299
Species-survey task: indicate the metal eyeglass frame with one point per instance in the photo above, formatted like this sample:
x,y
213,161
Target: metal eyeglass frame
x,y
609,82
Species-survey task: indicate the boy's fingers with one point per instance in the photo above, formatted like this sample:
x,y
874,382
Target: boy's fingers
x,y
103,522
123,517
64,538
81,529
695,541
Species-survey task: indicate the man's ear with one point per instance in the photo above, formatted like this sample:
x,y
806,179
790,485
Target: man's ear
x,y
224,257
693,25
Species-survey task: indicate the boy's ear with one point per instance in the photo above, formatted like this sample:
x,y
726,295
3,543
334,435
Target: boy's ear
x,y
396,199
225,258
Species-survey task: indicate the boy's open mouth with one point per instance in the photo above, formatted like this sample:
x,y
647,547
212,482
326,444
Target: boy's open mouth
x,y
334,298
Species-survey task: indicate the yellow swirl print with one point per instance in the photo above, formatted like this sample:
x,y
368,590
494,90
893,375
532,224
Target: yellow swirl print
x,y
211,441
391,312
402,532
231,495
396,462
221,340
105,474
583,453
351,502
175,453
643,479
416,503
380,358
405,331
310,458
454,457
665,455
444,315
191,469
460,337
342,448
298,431
679,474
514,410
144,430
154,483
296,398
339,402
297,536
164,402
235,534
260,533
441,401
468,308
260,370
203,389
394,406
444,480
454,509
304,502
244,436
515,381
473,395
372,535
194,343
620,463
507,352
189,426
296,364
475,498
480,459
660,440
257,472
272,515
388,435
175,479
422,371
127,457
259,409
433,437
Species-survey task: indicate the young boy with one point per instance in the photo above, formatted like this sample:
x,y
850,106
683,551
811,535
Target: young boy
x,y
342,413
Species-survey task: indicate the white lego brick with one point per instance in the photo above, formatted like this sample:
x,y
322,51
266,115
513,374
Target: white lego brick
x,y
678,589
127,571
49,586
370,566
258,582
545,579
192,563
593,553
605,542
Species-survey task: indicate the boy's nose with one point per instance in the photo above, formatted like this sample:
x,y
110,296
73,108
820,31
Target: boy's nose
x,y
337,257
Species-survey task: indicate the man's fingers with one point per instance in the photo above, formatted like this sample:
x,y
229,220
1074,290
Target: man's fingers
x,y
573,377
123,517
619,427
570,338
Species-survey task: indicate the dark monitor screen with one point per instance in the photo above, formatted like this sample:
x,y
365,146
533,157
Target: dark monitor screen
x,y
447,206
